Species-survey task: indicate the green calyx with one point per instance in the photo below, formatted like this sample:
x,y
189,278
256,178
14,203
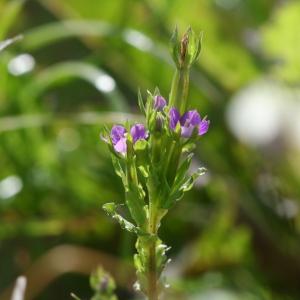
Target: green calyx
x,y
185,51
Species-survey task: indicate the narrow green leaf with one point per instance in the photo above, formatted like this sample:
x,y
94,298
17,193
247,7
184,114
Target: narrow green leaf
x,y
190,182
8,42
141,102
111,210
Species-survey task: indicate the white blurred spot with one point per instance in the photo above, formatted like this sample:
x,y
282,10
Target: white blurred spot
x,y
19,289
21,64
138,40
10,186
256,114
104,83
287,208
68,139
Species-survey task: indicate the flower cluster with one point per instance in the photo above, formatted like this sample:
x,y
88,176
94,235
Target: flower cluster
x,y
187,124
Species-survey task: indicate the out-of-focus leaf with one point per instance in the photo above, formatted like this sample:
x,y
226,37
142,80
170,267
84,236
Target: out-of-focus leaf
x,y
55,74
8,42
281,40
8,15
12,123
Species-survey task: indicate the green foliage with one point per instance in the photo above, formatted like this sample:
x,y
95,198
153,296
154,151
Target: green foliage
x,y
281,41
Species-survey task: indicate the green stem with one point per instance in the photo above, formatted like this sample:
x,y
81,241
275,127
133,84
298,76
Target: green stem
x,y
152,272
179,90
174,162
178,99
156,148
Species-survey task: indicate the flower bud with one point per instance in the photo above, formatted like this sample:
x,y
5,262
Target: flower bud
x,y
185,51
159,102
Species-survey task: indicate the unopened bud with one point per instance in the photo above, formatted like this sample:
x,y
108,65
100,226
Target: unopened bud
x,y
185,51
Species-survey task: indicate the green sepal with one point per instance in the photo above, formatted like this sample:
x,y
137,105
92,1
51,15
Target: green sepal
x,y
141,102
149,107
174,47
185,51
178,130
194,46
140,145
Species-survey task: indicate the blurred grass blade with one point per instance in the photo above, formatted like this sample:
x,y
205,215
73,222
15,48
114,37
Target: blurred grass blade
x,y
46,34
12,123
61,71
8,16
8,42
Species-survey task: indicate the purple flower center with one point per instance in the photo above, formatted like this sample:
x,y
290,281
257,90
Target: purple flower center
x,y
138,132
117,132
188,121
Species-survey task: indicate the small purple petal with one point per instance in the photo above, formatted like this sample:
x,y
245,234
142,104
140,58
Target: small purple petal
x,y
117,132
186,131
203,127
121,146
159,102
138,132
174,117
191,117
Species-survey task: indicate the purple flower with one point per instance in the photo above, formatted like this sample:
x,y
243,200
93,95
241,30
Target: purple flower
x,y
203,127
138,132
119,140
174,117
159,102
188,121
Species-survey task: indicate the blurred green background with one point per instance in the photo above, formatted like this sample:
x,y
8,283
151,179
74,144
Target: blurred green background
x,y
79,66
